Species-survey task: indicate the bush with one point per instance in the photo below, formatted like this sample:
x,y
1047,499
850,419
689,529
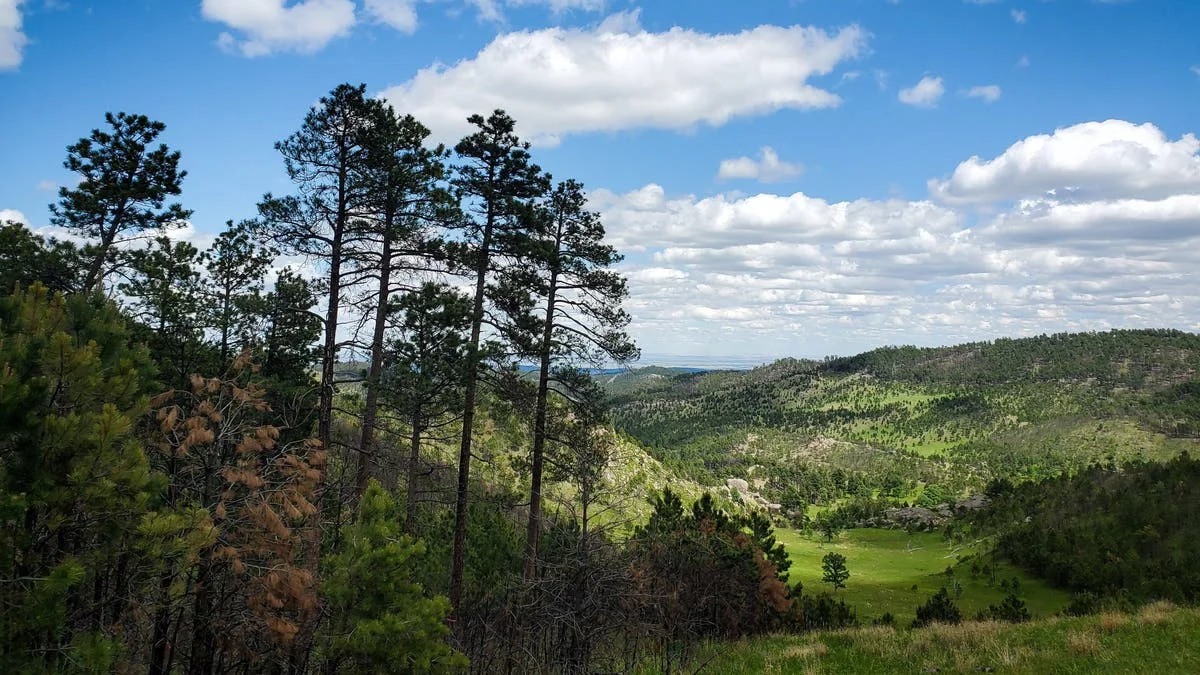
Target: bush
x,y
822,612
1012,610
938,609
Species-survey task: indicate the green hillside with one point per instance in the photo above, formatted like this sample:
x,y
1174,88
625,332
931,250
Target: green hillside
x,y
907,417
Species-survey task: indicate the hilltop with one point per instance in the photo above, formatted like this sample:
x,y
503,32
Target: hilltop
x,y
920,424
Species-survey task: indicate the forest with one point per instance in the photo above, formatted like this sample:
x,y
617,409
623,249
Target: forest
x,y
364,430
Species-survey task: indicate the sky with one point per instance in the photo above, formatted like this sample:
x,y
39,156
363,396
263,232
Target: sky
x,y
785,178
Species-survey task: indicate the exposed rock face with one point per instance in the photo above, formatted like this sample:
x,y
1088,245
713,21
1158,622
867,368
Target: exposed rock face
x,y
916,515
973,503
938,515
740,489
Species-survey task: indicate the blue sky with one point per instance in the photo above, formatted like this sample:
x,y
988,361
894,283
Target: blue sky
x,y
786,178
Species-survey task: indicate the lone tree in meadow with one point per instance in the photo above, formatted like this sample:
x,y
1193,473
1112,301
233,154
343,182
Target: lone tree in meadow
x,y
835,572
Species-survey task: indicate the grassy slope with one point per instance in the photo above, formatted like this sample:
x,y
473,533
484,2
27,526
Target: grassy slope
x,y
885,565
1159,639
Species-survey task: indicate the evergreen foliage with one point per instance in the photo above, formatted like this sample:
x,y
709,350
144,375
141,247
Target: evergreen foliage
x,y
940,608
383,621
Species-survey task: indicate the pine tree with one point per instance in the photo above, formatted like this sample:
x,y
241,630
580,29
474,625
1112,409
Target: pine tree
x,y
404,200
74,481
26,257
326,159
574,315
236,266
250,588
833,570
122,192
423,378
383,622
291,331
494,180
162,290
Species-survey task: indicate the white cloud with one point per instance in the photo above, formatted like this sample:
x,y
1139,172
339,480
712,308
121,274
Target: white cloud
x,y
399,14
767,169
924,94
275,25
1195,70
12,40
990,93
793,274
47,185
1110,159
560,6
1019,15
1023,62
13,215
559,81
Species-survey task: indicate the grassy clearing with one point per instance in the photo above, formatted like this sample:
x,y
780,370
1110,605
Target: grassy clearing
x,y
1160,639
886,565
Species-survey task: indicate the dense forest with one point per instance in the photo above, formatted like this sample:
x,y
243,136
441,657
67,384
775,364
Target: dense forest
x,y
193,480
370,428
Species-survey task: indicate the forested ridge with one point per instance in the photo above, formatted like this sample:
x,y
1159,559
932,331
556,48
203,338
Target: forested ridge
x,y
951,417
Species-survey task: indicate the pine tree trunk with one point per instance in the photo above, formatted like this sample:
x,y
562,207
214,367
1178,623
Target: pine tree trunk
x,y
458,560
414,458
534,530
366,447
298,659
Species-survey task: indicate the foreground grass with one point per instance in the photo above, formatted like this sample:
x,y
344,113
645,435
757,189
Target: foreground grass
x,y
894,571
1158,639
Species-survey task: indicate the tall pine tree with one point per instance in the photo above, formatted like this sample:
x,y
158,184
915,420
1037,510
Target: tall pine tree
x,y
122,193
570,298
495,179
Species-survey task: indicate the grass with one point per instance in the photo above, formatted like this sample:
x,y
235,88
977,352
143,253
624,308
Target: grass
x,y
1160,639
886,565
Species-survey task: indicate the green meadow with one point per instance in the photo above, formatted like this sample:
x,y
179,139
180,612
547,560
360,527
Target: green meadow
x,y
894,571
1158,639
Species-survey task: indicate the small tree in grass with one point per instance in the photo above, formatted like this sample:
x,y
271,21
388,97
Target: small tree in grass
x,y
938,609
835,572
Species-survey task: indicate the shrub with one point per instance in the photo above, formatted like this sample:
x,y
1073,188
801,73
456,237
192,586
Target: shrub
x,y
1012,610
938,609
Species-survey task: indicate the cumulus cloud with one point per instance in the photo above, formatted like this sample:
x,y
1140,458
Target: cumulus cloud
x,y
794,274
1019,15
924,94
989,93
559,81
12,40
768,168
13,215
268,26
1109,159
